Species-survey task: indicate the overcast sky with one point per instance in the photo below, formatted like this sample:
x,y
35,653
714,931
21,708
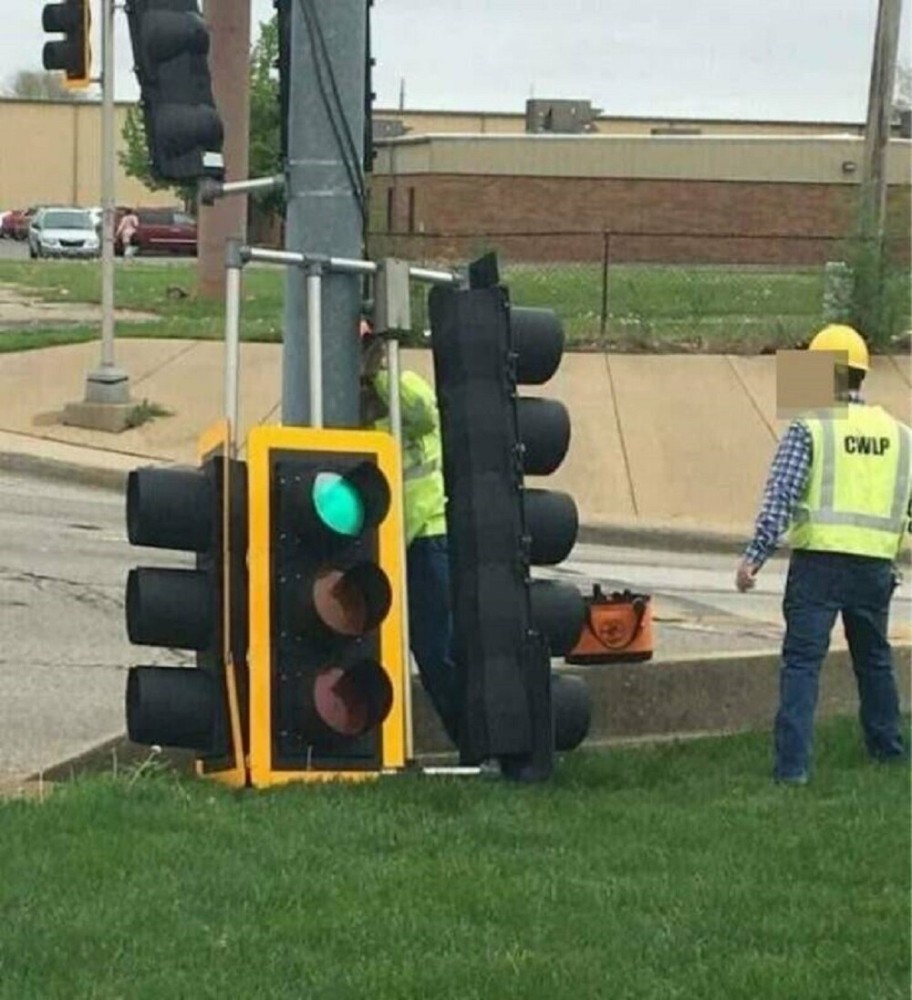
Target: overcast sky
x,y
776,59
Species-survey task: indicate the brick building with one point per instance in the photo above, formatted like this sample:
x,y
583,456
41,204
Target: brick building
x,y
709,198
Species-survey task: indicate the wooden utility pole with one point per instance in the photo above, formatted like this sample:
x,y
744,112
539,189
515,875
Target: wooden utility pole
x,y
877,128
229,66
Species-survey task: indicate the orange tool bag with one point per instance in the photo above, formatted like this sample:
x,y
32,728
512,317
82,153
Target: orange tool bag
x,y
618,629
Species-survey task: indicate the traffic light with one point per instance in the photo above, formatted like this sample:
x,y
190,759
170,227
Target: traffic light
x,y
326,668
507,626
200,510
73,54
184,132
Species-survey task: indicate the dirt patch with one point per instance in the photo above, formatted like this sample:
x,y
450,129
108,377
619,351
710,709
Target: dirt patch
x,y
19,309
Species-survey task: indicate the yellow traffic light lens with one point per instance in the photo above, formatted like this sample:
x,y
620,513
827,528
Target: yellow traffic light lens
x,y
338,504
352,602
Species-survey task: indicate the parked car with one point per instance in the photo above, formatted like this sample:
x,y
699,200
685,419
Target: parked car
x,y
161,230
63,232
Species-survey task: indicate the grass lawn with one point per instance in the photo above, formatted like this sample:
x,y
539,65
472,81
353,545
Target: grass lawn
x,y
649,307
677,871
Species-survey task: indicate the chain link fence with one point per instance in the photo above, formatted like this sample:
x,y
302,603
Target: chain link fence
x,y
674,291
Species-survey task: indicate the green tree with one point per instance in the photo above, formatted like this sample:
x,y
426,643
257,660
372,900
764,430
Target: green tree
x,y
266,114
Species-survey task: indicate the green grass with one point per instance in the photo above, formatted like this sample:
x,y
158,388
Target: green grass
x,y
649,307
668,872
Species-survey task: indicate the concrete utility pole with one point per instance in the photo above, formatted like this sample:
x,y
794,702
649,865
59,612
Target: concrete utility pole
x,y
877,128
107,397
229,67
326,191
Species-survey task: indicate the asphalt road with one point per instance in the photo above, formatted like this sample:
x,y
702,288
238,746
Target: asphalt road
x,y
18,250
64,559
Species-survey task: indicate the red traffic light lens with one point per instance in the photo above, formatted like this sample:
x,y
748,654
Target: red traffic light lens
x,y
350,701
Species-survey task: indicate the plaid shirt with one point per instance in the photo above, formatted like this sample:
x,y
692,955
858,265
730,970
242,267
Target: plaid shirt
x,y
785,485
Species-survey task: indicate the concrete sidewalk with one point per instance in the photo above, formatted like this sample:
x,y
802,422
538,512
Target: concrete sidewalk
x,y
668,450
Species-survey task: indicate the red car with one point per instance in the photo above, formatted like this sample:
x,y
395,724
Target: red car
x,y
161,230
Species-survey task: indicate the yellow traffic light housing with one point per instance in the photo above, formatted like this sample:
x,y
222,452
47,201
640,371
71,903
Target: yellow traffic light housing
x,y
327,676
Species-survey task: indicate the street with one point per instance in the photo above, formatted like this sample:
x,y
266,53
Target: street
x,y
64,558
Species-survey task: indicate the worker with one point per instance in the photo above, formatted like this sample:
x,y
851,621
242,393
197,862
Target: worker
x,y
840,483
427,557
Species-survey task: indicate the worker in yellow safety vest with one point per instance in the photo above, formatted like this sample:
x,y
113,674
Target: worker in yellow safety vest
x,y
840,482
427,557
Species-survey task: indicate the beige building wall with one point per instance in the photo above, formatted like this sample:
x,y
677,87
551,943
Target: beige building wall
x,y
51,154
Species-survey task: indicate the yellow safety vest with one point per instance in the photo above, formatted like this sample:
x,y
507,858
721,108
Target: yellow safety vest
x,y
857,498
422,454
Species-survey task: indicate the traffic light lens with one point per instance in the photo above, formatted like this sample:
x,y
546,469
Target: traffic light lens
x,y
352,602
351,701
338,504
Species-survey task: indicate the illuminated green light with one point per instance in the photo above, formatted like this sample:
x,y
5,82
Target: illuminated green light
x,y
338,504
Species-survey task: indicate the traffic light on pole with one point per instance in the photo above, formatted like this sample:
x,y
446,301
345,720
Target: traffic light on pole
x,y
326,667
507,626
199,510
184,132
73,54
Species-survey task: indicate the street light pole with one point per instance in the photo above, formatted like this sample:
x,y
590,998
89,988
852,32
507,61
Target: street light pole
x,y
107,396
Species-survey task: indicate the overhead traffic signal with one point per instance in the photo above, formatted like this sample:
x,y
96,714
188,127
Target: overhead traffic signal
x,y
507,626
184,131
199,510
325,575
73,54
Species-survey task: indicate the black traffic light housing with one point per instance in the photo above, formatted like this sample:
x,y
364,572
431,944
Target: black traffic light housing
x,y
184,131
507,626
200,510
71,55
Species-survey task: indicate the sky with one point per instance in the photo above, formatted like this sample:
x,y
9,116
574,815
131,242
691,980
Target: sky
x,y
775,60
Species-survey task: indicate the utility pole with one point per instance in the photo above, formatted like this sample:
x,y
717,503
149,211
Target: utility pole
x,y
229,67
877,128
326,195
107,398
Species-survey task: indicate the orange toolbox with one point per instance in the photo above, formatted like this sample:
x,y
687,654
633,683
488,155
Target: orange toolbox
x,y
618,629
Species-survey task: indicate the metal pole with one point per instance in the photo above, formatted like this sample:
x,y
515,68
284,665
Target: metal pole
x,y
325,191
233,265
315,342
107,184
395,417
107,383
606,257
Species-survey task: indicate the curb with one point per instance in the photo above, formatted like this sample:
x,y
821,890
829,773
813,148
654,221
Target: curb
x,y
632,704
645,536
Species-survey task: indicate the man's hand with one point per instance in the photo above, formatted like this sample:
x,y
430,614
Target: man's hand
x,y
746,576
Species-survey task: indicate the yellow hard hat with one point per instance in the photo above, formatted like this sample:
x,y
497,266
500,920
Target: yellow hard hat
x,y
838,337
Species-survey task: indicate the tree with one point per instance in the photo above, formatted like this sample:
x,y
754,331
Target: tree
x,y
36,85
266,114
265,127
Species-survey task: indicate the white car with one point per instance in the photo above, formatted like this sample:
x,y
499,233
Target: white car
x,y
63,232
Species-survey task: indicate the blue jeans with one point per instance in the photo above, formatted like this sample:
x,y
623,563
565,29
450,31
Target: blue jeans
x,y
821,585
431,625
